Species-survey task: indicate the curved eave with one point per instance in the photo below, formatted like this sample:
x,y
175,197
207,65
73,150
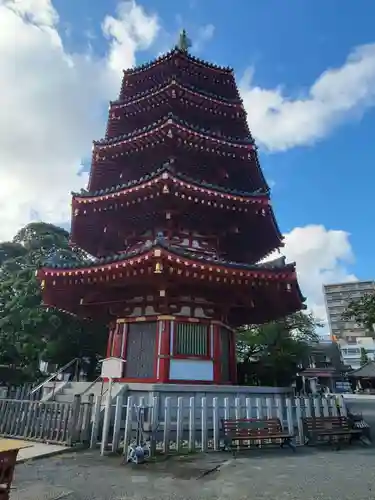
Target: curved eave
x,y
276,226
166,178
159,252
301,297
169,55
158,89
169,123
150,266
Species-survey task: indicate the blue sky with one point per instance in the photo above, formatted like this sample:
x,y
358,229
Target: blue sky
x,y
317,147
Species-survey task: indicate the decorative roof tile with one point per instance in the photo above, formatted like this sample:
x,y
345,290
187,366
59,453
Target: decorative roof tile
x,y
160,241
165,85
169,55
167,167
177,121
365,371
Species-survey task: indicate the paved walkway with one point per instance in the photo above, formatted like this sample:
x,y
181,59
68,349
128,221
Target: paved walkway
x,y
29,450
267,474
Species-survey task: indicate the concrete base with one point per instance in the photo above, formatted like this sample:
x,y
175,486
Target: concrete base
x,y
146,390
228,396
208,391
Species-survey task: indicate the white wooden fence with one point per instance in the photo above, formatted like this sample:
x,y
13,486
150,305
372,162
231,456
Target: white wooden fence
x,y
49,422
195,425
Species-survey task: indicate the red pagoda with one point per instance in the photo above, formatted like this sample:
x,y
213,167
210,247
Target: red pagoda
x,y
177,216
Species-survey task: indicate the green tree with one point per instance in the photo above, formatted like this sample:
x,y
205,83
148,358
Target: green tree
x,y
364,358
29,331
362,311
271,354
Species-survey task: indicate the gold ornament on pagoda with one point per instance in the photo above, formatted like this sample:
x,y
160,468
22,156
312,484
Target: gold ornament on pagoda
x,y
158,268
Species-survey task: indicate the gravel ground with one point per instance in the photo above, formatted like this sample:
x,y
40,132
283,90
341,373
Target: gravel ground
x,y
311,474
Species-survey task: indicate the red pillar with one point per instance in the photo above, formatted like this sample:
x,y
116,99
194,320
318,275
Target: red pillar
x,y
164,335
124,340
216,354
117,340
233,358
110,340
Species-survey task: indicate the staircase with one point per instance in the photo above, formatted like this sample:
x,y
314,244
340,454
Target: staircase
x,y
64,392
55,388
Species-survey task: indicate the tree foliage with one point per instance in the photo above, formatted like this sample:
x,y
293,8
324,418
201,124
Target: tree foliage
x,y
271,354
362,311
364,358
28,331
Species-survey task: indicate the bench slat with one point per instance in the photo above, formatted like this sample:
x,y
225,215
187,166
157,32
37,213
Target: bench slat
x,y
254,428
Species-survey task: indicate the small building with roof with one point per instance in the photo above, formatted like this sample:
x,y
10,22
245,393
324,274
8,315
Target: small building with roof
x,y
365,377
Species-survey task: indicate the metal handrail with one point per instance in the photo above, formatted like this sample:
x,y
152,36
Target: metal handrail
x,y
89,387
51,377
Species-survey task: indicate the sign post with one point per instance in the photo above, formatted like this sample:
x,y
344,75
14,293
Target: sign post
x,y
112,369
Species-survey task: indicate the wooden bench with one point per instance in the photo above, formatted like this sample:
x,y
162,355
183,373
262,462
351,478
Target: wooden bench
x,y
239,432
9,449
331,429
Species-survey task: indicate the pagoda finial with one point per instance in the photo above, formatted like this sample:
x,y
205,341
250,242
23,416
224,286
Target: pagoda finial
x,y
184,42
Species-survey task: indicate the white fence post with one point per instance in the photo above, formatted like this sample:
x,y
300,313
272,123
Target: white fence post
x,y
279,409
289,415
237,408
317,406
269,407
154,423
333,407
95,422
308,410
128,423
226,409
343,409
167,424
179,423
248,408
204,437
117,423
325,407
192,424
299,416
216,423
259,408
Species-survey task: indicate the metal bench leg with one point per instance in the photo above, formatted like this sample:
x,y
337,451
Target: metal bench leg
x,y
336,443
227,445
290,444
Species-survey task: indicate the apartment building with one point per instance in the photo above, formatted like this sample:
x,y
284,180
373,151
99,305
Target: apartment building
x,y
352,352
337,297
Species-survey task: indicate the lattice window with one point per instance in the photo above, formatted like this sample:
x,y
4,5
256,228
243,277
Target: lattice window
x,y
192,339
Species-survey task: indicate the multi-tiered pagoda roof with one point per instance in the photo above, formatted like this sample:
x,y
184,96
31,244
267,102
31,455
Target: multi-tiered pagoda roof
x,y
177,212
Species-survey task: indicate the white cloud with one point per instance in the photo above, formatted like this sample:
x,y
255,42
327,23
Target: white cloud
x,y
322,256
279,122
40,12
51,105
129,31
204,34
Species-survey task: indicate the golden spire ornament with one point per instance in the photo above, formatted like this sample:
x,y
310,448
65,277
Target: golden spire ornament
x,y
184,42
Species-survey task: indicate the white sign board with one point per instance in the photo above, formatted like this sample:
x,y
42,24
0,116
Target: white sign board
x,y
112,368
